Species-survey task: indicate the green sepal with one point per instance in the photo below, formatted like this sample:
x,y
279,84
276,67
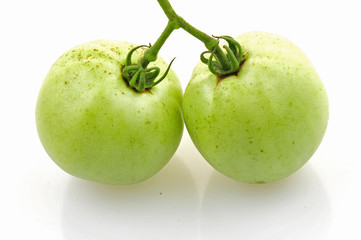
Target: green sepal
x,y
128,60
233,54
141,78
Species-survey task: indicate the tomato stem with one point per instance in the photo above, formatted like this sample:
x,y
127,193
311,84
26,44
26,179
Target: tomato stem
x,y
226,62
175,22
210,43
151,54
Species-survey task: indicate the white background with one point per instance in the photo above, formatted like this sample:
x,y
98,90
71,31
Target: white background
x,y
187,199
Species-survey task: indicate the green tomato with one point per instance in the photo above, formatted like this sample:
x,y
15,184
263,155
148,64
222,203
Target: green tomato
x,y
264,123
94,126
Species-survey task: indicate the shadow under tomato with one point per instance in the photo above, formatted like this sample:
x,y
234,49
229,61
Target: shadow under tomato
x,y
297,207
165,205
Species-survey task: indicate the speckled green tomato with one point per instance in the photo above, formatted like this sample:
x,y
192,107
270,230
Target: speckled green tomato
x,y
264,123
94,126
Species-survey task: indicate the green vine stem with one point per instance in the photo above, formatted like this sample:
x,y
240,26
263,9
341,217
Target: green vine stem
x,y
151,54
226,62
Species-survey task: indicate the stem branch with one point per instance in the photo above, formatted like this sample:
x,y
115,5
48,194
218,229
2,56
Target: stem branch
x,y
224,62
151,54
168,10
210,43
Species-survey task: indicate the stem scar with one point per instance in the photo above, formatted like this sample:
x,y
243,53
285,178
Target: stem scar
x,y
221,77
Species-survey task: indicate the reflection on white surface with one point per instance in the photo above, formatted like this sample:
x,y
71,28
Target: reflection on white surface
x,y
166,203
294,208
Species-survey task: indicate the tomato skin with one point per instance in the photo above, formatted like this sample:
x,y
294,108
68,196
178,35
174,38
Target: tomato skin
x,y
94,126
264,123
